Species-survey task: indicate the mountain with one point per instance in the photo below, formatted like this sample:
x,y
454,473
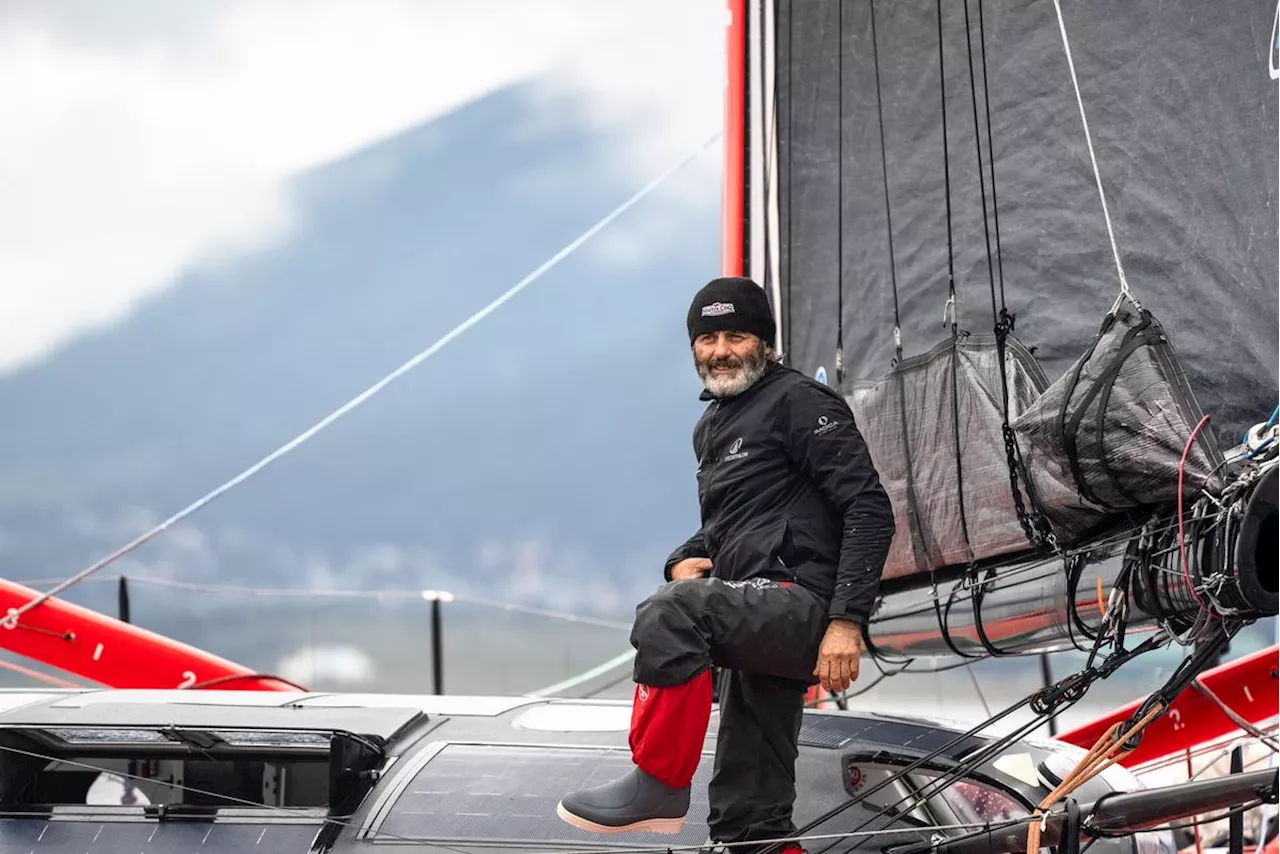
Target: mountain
x,y
543,456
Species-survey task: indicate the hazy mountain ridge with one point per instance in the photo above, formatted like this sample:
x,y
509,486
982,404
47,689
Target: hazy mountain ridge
x,y
544,455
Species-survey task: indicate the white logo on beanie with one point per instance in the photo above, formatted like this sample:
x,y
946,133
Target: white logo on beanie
x,y
717,309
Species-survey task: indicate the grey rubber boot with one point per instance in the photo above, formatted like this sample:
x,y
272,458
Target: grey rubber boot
x,y
633,802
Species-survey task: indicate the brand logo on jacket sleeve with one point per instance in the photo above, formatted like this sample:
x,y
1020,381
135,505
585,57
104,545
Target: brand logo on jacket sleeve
x,y
735,451
825,425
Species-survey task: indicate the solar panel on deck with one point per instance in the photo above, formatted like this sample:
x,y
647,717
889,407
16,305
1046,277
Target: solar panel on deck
x,y
41,836
836,731
825,732
265,738
114,735
503,792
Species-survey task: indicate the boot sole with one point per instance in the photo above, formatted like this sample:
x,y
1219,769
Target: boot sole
x,y
653,825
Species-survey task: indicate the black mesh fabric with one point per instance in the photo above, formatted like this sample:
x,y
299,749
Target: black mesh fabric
x,y
1110,434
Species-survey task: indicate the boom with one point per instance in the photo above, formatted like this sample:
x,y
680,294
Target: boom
x,y
115,653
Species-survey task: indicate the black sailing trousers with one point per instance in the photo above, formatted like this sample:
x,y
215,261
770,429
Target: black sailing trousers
x,y
766,635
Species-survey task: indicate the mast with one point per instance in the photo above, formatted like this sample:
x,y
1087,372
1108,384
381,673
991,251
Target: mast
x,y
735,141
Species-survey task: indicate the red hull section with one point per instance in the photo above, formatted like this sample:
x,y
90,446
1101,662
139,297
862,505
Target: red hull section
x,y
113,653
1248,686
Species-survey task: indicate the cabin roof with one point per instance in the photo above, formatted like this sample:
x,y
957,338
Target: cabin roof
x,y
456,767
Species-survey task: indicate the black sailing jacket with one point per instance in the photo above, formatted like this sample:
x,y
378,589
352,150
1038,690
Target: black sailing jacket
x,y
788,492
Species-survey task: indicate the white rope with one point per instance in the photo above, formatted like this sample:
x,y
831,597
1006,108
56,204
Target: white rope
x,y
551,615
585,676
10,621
1125,293
377,595
309,593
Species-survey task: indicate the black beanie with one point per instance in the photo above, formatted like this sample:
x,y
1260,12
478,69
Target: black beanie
x,y
731,304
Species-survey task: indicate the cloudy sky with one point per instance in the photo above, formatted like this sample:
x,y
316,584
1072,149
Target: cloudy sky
x,y
142,137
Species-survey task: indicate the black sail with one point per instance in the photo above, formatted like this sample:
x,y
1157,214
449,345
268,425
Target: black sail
x,y
1182,113
933,169
1029,319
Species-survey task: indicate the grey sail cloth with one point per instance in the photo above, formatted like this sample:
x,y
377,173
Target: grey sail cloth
x,y
1183,116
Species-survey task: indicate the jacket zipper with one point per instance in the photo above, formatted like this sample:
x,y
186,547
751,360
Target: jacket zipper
x,y
713,456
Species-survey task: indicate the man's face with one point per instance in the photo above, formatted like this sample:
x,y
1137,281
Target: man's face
x,y
729,362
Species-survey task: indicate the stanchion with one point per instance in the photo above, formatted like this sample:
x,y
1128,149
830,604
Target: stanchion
x,y
435,597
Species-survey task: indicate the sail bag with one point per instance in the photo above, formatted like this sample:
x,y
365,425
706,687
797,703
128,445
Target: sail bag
x,y
1107,438
1110,435
933,427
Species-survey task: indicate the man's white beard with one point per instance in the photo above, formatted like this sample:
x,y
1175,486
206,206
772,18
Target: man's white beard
x,y
729,385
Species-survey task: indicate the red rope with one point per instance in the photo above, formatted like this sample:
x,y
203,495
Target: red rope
x,y
1182,538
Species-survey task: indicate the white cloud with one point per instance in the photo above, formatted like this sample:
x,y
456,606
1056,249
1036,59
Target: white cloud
x,y
143,138
660,72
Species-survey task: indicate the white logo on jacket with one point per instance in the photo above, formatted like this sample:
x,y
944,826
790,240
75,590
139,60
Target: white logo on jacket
x,y
825,425
755,583
735,451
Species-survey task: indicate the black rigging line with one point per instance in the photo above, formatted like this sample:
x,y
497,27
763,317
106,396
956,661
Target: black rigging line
x,y
951,304
884,171
1046,704
913,502
954,773
1064,701
991,149
902,772
946,178
982,180
1049,702
947,778
1034,523
840,195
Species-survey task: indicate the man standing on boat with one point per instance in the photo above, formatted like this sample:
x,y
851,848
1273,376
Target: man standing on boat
x,y
775,587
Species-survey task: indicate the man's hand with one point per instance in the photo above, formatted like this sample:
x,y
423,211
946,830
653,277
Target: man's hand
x,y
690,567
839,656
